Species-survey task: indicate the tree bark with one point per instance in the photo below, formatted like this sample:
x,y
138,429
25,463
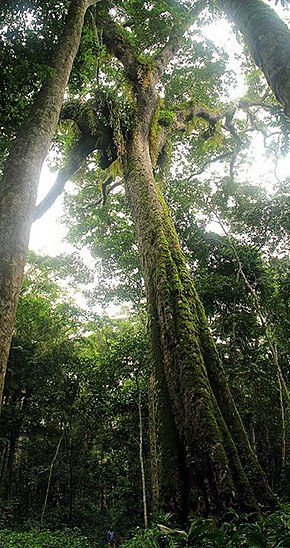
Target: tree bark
x,y
168,478
21,175
268,39
216,464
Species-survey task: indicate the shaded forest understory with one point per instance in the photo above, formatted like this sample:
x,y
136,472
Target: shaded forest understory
x,y
70,426
159,406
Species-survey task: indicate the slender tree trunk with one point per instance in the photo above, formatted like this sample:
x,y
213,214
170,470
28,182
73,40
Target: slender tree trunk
x,y
103,486
21,175
283,390
4,459
17,407
268,39
50,476
154,457
216,462
70,483
141,457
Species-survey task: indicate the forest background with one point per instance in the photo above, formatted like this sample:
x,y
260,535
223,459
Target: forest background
x,y
83,445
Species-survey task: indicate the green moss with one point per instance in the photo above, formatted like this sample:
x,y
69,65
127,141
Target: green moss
x,y
166,117
116,169
123,34
164,163
145,70
154,136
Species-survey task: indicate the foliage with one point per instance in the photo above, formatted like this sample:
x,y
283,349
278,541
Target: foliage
x,y
27,35
76,382
150,538
44,539
109,233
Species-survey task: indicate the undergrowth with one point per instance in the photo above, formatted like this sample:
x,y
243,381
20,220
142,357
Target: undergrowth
x,y
272,531
39,538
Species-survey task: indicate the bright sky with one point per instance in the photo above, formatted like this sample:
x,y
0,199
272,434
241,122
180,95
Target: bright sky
x,y
47,233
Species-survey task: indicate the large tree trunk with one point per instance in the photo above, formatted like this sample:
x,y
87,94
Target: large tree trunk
x,y
268,39
216,465
21,175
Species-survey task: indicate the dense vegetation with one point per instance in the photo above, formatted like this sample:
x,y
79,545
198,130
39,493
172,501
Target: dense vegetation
x,y
172,416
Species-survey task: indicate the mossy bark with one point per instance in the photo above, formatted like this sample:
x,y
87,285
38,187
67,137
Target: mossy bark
x,y
165,451
268,39
21,175
206,454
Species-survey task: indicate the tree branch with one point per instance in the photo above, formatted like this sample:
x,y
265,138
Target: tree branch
x,y
176,37
56,190
79,152
208,162
184,116
117,42
114,37
107,188
94,134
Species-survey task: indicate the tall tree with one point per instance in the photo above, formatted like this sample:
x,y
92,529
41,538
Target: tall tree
x,y
21,174
268,39
207,461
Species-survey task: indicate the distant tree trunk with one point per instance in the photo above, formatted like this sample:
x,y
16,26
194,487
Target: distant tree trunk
x,y
8,477
268,39
141,456
50,475
103,485
216,467
154,467
18,403
70,481
19,184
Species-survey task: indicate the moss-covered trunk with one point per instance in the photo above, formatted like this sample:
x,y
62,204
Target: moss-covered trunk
x,y
268,39
206,460
19,184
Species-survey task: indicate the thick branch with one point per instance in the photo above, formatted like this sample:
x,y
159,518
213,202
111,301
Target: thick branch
x,y
56,190
117,43
186,115
95,134
80,151
114,37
